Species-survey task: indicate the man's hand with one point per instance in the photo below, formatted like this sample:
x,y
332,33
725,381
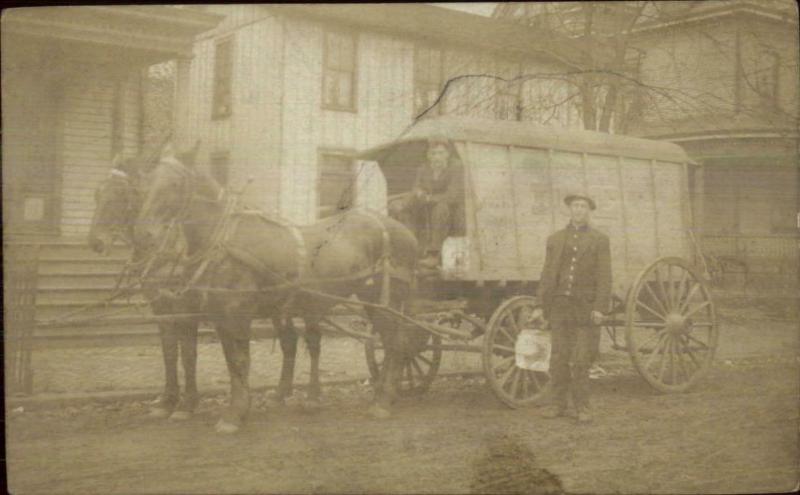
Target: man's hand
x,y
597,317
419,193
537,314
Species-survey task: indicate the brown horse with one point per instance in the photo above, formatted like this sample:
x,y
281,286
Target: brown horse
x,y
246,265
117,204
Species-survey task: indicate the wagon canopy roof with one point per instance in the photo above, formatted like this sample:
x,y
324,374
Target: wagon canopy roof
x,y
531,135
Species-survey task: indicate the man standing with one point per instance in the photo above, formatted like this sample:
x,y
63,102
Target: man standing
x,y
575,292
431,208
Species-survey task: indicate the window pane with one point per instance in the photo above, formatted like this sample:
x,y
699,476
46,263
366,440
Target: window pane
x,y
345,87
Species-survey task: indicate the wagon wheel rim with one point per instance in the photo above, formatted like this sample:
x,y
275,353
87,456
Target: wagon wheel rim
x,y
416,373
514,386
671,327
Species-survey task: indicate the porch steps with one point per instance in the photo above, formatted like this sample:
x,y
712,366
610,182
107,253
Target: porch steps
x,y
70,277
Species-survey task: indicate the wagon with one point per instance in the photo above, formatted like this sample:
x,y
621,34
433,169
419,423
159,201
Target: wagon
x,y
515,177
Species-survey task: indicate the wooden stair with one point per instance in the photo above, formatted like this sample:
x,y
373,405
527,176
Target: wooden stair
x,y
71,276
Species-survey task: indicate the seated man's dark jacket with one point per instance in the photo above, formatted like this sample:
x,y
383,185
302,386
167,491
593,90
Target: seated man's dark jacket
x,y
591,283
446,187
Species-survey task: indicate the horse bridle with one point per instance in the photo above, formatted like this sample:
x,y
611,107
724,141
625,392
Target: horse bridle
x,y
132,199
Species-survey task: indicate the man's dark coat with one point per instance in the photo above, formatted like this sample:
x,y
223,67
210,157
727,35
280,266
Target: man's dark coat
x,y
592,283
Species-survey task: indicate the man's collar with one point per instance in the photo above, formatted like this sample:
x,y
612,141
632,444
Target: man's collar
x,y
582,228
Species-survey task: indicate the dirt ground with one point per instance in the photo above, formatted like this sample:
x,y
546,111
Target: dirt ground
x,y
736,432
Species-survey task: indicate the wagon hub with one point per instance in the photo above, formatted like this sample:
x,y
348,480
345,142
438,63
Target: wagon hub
x,y
676,323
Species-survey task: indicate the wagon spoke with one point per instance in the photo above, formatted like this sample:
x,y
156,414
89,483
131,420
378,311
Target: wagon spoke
x,y
656,348
411,381
661,289
515,382
507,375
425,360
649,339
656,298
672,356
503,363
680,288
417,367
681,352
689,297
651,310
525,383
663,367
506,334
691,337
649,324
689,352
537,381
514,322
498,347
697,308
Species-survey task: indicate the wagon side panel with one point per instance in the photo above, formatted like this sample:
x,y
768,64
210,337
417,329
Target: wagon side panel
x,y
671,206
643,228
493,236
604,185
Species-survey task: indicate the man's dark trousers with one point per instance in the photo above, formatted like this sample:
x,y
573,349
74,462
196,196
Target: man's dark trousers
x,y
575,344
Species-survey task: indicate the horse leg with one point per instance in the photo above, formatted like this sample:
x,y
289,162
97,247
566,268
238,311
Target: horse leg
x,y
384,387
169,351
288,339
235,338
314,341
188,350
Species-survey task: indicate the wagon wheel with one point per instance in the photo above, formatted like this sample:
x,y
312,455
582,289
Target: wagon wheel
x,y
417,372
671,327
514,386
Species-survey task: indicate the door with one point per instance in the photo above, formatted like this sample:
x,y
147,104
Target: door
x,y
30,153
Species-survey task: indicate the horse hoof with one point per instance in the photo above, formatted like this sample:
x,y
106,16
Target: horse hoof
x,y
225,427
379,412
180,416
159,412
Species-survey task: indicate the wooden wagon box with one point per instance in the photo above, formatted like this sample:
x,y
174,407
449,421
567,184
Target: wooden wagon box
x,y
516,175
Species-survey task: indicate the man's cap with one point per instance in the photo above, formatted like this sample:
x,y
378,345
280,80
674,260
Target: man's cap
x,y
569,198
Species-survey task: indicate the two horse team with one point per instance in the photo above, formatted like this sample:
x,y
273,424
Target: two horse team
x,y
198,252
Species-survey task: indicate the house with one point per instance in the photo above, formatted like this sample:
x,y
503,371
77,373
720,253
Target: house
x,y
286,94
727,74
72,92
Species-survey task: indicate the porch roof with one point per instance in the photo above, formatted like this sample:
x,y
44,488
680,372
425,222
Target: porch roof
x,y
154,31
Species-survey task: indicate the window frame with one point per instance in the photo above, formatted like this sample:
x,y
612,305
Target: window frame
x,y
322,152
353,104
439,108
216,114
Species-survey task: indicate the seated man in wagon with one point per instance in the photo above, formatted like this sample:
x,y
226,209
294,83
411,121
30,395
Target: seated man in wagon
x,y
432,209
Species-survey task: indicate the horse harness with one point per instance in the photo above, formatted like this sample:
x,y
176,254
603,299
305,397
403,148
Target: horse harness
x,y
220,245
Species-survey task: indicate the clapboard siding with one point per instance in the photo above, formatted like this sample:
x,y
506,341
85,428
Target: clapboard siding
x,y
86,139
278,127
251,135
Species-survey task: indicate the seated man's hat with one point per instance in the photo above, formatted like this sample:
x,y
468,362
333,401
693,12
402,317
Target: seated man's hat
x,y
569,198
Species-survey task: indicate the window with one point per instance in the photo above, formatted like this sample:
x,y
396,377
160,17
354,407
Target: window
x,y
428,80
339,72
335,184
508,101
220,165
222,97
